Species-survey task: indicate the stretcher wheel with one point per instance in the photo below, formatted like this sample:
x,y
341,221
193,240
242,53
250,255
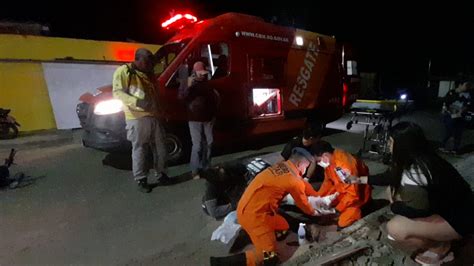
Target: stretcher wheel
x,y
349,125
378,129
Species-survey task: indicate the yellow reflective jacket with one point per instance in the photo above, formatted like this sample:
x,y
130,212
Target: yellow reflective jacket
x,y
129,86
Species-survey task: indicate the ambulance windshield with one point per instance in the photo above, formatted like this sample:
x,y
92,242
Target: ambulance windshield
x,y
166,55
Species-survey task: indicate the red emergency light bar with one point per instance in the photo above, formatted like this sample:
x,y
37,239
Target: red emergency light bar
x,y
179,20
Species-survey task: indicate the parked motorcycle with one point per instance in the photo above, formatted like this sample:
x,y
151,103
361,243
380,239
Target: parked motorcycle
x,y
8,125
4,170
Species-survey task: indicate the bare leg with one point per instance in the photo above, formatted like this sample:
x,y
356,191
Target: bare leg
x,y
431,233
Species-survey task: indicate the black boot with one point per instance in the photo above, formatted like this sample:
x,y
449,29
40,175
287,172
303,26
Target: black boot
x,y
164,179
233,260
143,186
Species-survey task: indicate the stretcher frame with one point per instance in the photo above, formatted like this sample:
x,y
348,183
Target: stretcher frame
x,y
377,116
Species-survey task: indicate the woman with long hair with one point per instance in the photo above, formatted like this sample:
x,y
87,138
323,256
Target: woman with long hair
x,y
433,203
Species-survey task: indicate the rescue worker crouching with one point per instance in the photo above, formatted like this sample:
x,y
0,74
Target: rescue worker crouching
x,y
351,197
258,207
133,85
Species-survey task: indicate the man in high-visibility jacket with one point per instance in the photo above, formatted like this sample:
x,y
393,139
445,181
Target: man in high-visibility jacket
x,y
351,197
257,210
133,85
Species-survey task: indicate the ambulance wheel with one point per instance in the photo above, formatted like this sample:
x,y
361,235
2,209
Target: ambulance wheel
x,y
349,125
177,146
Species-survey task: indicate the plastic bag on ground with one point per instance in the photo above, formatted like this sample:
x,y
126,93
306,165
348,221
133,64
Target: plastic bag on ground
x,y
228,230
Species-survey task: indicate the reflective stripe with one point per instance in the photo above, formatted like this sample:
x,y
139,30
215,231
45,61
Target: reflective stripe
x,y
136,91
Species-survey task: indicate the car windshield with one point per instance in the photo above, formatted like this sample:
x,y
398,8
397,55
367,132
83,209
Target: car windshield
x,y
166,54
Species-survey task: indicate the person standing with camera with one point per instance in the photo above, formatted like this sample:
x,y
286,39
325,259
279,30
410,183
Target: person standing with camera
x,y
202,103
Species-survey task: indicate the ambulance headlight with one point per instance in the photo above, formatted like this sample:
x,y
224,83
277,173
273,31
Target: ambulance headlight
x,y
108,107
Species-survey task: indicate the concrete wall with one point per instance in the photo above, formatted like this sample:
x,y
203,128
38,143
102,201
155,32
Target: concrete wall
x,y
22,82
51,48
23,89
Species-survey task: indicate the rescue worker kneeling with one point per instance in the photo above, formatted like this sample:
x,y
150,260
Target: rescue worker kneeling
x,y
258,207
338,165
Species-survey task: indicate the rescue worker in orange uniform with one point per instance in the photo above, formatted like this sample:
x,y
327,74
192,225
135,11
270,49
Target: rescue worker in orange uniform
x,y
257,210
351,197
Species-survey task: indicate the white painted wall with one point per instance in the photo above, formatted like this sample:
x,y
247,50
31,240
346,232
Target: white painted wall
x,y
67,82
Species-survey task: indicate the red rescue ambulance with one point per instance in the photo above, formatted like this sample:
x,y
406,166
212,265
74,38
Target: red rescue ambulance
x,y
270,79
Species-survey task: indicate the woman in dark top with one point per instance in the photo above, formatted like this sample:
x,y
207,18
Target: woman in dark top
x,y
433,202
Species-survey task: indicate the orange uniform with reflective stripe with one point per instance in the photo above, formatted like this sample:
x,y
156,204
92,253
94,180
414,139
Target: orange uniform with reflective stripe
x,y
257,209
351,197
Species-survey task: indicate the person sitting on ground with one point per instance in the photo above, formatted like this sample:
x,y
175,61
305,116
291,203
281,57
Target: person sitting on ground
x,y
351,197
433,204
224,186
257,210
310,135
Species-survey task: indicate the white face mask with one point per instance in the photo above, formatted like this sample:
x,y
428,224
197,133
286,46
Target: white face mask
x,y
323,163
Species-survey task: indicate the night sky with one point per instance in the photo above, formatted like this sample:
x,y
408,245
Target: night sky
x,y
396,39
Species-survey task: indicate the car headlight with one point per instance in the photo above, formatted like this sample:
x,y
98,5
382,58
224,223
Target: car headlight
x,y
108,107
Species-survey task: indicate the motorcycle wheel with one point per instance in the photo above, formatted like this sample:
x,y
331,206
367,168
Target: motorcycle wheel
x,y
8,131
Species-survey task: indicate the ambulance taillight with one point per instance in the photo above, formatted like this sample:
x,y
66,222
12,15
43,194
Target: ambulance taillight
x,y
345,90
